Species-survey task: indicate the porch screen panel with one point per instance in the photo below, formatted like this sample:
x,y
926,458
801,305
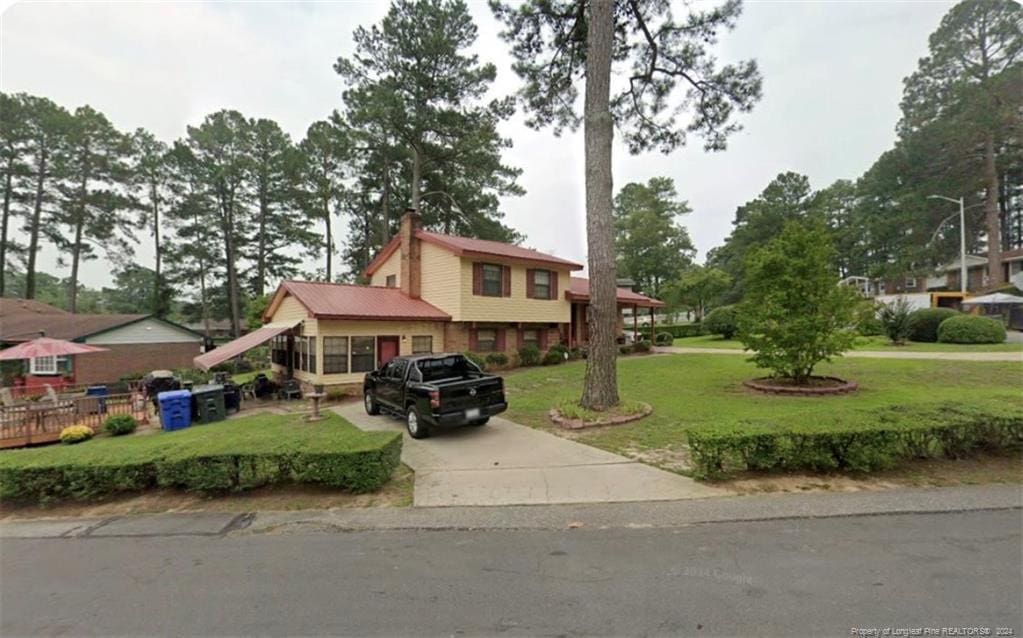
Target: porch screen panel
x,y
363,354
335,355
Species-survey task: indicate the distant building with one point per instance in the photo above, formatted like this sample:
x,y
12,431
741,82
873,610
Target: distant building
x,y
135,344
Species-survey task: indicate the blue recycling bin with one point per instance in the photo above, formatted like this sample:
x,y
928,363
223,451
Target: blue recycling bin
x,y
99,391
175,409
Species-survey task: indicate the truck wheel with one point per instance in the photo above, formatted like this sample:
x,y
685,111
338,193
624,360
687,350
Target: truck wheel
x,y
370,404
480,421
416,428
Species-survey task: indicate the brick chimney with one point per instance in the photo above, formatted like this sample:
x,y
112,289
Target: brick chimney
x,y
411,257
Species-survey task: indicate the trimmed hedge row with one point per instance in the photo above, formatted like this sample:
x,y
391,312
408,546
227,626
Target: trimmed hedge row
x,y
898,434
682,330
360,468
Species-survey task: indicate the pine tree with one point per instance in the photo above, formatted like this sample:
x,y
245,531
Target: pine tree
x,y
15,140
95,207
152,175
324,155
557,42
968,91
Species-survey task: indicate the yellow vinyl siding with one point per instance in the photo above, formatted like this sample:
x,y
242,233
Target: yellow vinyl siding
x,y
290,310
441,279
517,307
392,266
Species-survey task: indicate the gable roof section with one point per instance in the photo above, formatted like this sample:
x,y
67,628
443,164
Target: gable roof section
x,y
468,247
579,290
349,301
10,307
27,326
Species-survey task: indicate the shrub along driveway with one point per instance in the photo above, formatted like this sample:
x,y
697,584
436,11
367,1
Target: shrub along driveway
x,y
504,463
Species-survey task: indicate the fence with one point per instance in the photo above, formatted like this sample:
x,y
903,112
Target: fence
x,y
41,421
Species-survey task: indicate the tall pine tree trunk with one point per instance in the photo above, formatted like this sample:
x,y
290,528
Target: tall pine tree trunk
x,y
385,207
76,248
992,216
330,238
8,186
157,284
601,386
261,246
417,176
33,231
76,253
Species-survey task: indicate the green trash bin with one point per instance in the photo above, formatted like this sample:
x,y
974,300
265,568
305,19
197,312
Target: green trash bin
x,y
208,404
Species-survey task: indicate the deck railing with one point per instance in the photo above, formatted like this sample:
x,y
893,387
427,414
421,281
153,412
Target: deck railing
x,y
31,422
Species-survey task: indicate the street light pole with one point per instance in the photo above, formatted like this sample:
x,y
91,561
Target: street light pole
x,y
962,238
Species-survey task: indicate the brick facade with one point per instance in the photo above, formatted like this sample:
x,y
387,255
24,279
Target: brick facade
x,y
458,335
135,358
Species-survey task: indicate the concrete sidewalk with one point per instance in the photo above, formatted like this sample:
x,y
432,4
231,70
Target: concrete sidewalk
x,y
1016,357
504,463
663,514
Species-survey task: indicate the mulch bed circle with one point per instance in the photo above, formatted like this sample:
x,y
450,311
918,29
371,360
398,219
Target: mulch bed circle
x,y
819,386
578,424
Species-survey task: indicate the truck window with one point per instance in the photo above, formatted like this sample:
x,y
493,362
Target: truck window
x,y
445,368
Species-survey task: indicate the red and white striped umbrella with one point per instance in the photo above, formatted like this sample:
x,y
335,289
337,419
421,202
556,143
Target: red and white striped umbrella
x,y
46,347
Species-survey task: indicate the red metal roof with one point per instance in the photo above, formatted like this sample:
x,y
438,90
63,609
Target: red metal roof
x,y
474,248
348,301
579,290
232,349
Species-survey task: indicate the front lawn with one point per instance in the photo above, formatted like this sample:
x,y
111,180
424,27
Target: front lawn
x,y
704,394
240,454
874,344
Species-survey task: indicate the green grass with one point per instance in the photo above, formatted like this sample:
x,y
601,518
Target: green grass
x,y
874,344
706,391
229,455
245,377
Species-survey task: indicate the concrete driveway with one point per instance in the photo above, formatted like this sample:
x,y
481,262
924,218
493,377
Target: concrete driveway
x,y
504,463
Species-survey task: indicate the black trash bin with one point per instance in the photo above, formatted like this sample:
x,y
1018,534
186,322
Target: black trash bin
x,y
208,403
232,397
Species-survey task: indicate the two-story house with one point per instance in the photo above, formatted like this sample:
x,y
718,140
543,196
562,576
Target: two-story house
x,y
427,293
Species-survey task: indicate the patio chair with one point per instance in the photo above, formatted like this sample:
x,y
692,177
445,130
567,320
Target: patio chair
x,y
290,389
7,398
248,391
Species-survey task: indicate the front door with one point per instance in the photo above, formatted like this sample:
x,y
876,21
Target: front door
x,y
387,349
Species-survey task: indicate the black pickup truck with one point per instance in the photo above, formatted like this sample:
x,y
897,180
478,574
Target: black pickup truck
x,y
434,391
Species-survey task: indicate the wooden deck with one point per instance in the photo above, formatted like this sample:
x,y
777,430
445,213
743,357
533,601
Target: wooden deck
x,y
35,422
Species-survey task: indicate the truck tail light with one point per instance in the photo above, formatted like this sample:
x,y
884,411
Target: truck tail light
x,y
434,398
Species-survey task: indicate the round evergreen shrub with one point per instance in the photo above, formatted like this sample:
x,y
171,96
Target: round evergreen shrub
x,y
553,358
721,321
971,329
75,434
497,359
641,346
120,424
529,355
477,359
663,339
923,323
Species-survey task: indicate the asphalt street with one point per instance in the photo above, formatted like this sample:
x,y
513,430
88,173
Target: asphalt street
x,y
817,576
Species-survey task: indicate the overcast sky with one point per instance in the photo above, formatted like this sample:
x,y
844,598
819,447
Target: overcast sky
x,y
832,82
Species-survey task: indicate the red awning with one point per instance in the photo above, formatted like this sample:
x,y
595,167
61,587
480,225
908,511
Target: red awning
x,y
232,349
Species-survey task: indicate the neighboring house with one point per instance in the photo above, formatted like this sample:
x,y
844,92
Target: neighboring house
x,y
218,329
945,278
428,293
135,344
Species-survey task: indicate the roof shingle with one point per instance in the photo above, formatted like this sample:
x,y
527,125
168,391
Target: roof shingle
x,y
349,301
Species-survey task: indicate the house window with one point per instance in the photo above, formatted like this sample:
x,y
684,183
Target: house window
x,y
392,281
531,337
335,355
310,354
422,345
43,365
541,284
493,280
364,354
910,282
486,340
